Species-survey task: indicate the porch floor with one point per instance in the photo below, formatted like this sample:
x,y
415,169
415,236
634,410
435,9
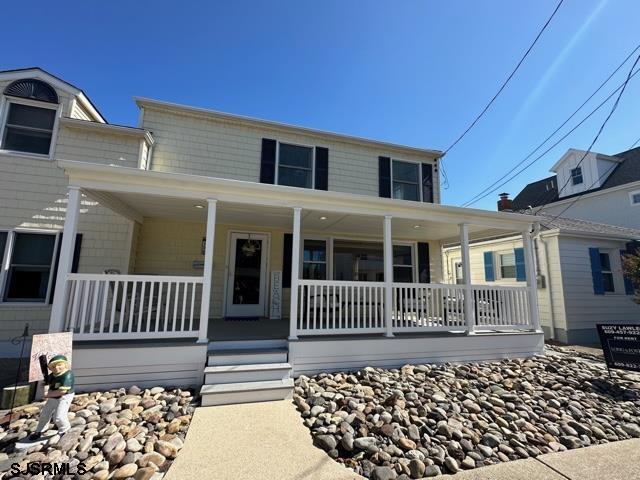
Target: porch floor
x,y
258,328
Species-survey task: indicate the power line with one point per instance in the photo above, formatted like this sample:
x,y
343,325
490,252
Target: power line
x,y
634,144
595,139
475,198
504,84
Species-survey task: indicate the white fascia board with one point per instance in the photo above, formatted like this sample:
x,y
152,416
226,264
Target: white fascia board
x,y
561,160
587,195
131,180
229,117
86,103
602,236
105,127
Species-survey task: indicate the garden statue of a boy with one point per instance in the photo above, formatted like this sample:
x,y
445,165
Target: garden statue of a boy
x,y
59,397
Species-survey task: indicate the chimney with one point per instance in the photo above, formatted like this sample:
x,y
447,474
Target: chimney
x,y
505,204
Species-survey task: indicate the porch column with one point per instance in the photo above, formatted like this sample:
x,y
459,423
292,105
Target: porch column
x,y
295,274
470,313
208,270
65,262
388,276
530,272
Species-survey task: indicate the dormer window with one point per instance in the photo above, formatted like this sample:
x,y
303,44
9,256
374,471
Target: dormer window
x,y
29,117
576,176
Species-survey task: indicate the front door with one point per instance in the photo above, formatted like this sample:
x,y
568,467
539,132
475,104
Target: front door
x,y
247,280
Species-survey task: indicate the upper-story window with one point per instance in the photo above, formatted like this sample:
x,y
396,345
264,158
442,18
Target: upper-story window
x,y
635,198
295,165
576,176
29,117
406,180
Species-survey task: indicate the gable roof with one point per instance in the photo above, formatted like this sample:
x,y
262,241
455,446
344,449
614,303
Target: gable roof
x,y
38,72
545,191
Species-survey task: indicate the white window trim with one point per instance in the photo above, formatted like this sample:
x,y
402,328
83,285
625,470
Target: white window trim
x,y
616,271
4,112
5,263
572,176
313,162
631,194
497,266
330,240
419,179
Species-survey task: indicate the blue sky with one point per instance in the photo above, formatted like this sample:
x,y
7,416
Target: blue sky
x,y
411,72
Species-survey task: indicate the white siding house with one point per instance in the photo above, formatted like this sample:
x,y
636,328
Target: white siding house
x,y
205,232
579,271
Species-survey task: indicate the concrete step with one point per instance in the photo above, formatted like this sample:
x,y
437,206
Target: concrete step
x,y
246,373
247,356
217,345
246,392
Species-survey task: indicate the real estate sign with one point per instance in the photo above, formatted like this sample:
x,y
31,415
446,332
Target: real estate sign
x,y
621,346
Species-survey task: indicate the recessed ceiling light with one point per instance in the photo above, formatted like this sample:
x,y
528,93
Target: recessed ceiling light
x,y
417,226
323,218
199,206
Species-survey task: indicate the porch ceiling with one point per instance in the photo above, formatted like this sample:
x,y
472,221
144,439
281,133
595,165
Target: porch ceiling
x,y
137,206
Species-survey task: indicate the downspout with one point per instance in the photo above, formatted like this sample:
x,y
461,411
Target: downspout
x,y
552,321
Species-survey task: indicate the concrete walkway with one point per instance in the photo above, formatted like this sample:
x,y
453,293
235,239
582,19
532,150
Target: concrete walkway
x,y
268,441
253,441
612,461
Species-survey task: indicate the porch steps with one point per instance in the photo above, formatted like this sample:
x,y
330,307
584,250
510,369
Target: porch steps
x,y
246,375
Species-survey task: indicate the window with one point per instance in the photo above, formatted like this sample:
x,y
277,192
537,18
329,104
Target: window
x,y
507,265
406,180
364,261
635,198
314,260
402,263
295,165
576,176
28,128
30,267
607,274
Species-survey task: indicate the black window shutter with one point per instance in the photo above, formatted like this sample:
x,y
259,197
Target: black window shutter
x,y
74,264
286,260
322,169
427,182
424,270
384,177
268,161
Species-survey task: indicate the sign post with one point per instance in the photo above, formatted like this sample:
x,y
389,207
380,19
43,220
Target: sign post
x,y
621,346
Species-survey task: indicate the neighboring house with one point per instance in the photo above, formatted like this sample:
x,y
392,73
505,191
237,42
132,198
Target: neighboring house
x,y
203,237
608,188
579,272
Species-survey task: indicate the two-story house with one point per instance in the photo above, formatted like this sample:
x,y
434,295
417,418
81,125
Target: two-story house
x,y
257,248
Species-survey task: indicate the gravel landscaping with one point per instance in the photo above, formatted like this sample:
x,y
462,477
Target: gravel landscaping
x,y
116,434
425,420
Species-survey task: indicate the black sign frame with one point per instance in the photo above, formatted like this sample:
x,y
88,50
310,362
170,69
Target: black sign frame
x,y
620,345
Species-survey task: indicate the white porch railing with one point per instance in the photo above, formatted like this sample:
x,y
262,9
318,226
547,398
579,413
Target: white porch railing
x,y
329,307
434,307
334,307
105,306
501,307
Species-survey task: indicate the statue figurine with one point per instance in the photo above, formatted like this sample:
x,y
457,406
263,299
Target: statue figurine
x,y
59,396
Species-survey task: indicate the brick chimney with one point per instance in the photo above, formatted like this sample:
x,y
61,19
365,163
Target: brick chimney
x,y
505,204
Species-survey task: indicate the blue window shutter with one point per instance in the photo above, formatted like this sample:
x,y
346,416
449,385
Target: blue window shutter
x,y
384,177
596,271
521,274
489,274
628,284
322,169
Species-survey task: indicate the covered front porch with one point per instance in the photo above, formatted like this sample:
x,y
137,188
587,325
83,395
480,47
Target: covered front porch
x,y
222,260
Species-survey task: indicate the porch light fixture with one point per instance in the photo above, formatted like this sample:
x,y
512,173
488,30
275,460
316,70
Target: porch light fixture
x,y
323,218
199,206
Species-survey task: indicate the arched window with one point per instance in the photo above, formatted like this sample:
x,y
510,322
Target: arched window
x,y
30,116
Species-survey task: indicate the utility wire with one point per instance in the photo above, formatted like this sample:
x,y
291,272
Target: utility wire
x,y
504,84
556,143
473,199
634,143
606,120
